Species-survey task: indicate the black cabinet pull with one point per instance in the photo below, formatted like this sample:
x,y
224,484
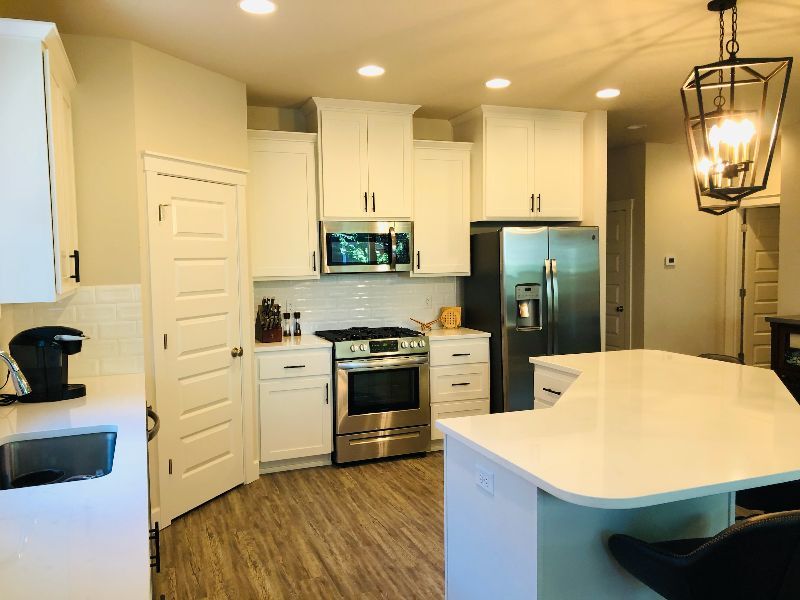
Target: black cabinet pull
x,y
314,261
294,367
539,200
77,256
462,354
418,259
464,383
533,206
366,209
373,201
551,391
155,559
326,393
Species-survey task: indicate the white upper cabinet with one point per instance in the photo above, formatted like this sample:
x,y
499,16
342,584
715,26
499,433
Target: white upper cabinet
x,y
282,205
41,261
527,163
365,158
441,208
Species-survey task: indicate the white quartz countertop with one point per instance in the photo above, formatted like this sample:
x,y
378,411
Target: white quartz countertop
x,y
305,341
644,427
82,539
458,333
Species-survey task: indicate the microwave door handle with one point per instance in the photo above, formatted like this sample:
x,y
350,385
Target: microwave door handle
x,y
393,249
554,269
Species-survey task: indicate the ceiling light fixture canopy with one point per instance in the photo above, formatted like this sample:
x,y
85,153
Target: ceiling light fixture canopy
x,y
732,114
257,7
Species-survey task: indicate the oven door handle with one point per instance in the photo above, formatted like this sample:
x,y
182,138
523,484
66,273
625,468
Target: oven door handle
x,y
371,364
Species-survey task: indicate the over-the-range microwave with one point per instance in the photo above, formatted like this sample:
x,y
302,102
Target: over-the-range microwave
x,y
366,246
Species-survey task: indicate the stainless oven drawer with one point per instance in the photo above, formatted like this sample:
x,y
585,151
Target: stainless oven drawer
x,y
377,444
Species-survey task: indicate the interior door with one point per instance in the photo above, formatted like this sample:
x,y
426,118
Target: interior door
x,y
509,169
282,209
343,151
197,331
617,280
761,282
558,164
441,215
389,157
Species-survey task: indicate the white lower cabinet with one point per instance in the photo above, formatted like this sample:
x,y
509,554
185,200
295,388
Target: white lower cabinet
x,y
296,415
549,385
459,377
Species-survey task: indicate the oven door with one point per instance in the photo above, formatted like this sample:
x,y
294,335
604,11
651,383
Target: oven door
x,y
363,247
382,393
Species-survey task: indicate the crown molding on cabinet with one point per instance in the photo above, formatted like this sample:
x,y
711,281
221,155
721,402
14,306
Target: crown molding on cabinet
x,y
490,110
287,136
315,103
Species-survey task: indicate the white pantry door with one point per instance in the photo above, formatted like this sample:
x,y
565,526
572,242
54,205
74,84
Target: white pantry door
x,y
197,332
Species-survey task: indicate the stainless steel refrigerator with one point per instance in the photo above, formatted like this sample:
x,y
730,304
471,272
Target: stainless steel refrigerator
x,y
537,291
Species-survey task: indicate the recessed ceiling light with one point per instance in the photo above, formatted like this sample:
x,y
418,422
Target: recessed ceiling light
x,y
257,7
498,83
371,71
607,93
636,126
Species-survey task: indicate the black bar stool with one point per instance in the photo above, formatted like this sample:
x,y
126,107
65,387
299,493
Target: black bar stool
x,y
755,559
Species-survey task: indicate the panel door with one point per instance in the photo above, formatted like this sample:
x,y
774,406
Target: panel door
x,y
441,211
343,152
509,168
62,168
196,311
617,280
389,152
296,418
282,209
761,282
558,164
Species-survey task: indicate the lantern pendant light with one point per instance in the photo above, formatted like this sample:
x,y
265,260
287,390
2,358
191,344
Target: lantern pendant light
x,y
732,112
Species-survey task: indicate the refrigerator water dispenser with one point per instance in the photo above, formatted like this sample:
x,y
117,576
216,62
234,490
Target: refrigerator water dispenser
x,y
529,306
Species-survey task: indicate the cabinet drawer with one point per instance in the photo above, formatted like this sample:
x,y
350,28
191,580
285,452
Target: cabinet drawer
x,y
458,352
448,410
537,404
459,382
548,385
294,363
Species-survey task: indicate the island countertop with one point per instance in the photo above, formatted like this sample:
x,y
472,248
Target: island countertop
x,y
644,427
82,539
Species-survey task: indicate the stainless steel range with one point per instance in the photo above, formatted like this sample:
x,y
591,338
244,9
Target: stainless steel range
x,y
382,400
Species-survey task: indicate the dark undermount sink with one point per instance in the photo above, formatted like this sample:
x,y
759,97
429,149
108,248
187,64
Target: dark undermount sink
x,y
43,461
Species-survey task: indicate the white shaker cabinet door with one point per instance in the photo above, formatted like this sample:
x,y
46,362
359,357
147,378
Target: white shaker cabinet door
x,y
343,151
558,163
296,418
509,168
282,206
389,152
441,209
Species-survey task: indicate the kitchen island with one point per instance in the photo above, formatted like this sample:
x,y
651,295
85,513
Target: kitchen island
x,y
642,442
80,539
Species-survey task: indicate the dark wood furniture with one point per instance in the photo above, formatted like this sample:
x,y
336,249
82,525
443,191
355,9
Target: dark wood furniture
x,y
786,351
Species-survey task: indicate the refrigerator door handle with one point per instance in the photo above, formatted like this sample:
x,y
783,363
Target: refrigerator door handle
x,y
548,285
554,270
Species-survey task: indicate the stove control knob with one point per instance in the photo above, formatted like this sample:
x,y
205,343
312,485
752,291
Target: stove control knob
x,y
353,348
421,343
362,347
413,344
404,344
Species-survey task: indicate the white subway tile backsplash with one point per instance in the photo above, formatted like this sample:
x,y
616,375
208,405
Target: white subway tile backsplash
x,y
111,315
337,301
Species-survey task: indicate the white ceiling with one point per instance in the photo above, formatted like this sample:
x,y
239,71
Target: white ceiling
x,y
439,53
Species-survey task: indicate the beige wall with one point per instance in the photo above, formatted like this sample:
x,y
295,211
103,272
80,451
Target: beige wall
x,y
626,180
433,129
789,269
683,306
105,159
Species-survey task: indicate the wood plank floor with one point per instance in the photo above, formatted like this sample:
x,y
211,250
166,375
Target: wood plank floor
x,y
372,530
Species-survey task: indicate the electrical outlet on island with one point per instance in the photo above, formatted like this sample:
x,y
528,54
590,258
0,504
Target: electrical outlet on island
x,y
484,479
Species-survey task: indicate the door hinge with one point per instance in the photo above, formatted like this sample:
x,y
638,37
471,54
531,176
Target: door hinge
x,y
170,466
742,293
165,341
744,227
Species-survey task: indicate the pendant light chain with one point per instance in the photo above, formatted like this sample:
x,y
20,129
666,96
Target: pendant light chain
x,y
733,44
719,101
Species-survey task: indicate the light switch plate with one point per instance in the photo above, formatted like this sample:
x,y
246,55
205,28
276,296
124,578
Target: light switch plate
x,y
670,262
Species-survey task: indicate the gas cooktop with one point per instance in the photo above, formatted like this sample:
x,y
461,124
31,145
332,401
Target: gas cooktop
x,y
356,334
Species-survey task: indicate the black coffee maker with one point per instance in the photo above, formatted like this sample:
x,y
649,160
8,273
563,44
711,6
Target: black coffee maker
x,y
43,354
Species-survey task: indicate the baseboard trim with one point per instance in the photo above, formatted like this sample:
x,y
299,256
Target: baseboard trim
x,y
437,445
295,463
